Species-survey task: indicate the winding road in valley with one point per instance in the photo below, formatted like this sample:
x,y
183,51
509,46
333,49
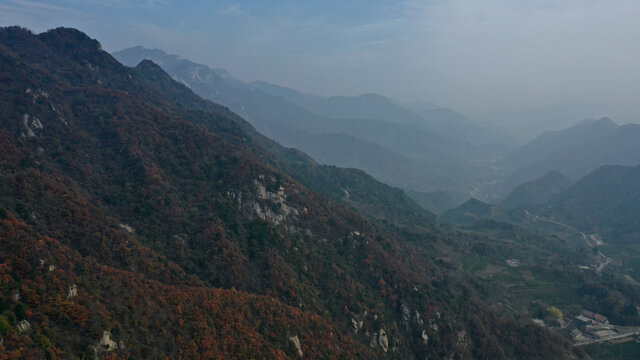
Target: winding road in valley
x,y
603,260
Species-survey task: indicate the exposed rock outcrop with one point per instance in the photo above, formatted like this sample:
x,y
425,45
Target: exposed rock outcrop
x,y
357,324
406,314
23,327
106,342
296,342
31,125
263,204
383,340
127,228
463,340
73,291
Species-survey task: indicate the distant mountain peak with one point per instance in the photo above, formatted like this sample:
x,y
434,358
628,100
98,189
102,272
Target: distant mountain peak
x,y
468,213
61,37
149,66
15,29
142,48
372,95
603,121
554,174
147,63
70,37
61,30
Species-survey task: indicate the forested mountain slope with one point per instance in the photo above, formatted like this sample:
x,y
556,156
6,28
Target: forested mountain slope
x,y
537,191
138,221
606,202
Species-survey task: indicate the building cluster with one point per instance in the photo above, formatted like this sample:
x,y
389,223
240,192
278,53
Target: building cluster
x,y
513,262
595,325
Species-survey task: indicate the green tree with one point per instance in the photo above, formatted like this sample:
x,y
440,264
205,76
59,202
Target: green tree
x,y
21,311
4,325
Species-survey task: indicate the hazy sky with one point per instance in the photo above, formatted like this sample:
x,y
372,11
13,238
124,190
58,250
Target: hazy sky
x,y
472,55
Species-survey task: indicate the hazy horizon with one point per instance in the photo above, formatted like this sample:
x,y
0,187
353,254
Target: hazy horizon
x,y
483,205
472,56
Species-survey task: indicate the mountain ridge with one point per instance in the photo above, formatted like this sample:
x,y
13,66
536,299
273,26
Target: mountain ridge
x,y
575,151
273,113
121,149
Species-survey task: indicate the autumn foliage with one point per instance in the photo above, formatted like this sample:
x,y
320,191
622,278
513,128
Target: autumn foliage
x,y
140,221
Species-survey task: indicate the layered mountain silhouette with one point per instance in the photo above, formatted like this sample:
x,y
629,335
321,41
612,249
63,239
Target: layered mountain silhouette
x,y
575,152
604,202
418,153
141,221
431,118
524,125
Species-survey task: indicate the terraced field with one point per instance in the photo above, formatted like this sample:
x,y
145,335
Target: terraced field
x,y
522,284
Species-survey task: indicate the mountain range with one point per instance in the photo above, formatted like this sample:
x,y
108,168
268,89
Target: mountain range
x,y
575,152
524,125
139,220
421,148
421,153
604,202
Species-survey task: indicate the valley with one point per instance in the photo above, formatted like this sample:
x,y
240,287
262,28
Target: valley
x,y
154,207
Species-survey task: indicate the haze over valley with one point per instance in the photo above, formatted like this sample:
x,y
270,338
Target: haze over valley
x,y
359,180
